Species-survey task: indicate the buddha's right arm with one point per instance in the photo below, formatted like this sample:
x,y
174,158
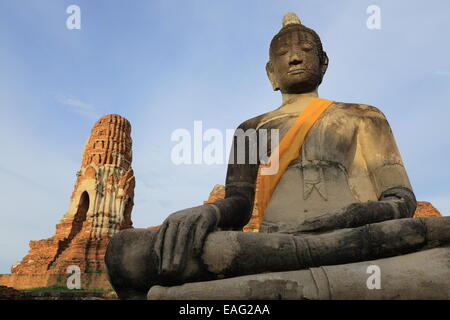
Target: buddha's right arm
x,y
236,209
185,231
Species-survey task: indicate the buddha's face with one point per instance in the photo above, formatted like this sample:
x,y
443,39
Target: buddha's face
x,y
295,65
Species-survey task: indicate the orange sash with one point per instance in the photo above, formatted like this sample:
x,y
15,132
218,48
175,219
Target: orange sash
x,y
287,151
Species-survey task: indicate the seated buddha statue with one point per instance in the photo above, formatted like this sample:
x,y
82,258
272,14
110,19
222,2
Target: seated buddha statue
x,y
338,202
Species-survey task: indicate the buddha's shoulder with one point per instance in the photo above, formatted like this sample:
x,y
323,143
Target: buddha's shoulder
x,y
255,122
356,110
269,119
338,109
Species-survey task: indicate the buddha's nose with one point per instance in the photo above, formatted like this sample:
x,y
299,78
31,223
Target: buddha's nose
x,y
295,60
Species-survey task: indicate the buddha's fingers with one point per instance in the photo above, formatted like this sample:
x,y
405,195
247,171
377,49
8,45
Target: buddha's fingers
x,y
352,216
201,232
183,242
168,247
158,246
324,222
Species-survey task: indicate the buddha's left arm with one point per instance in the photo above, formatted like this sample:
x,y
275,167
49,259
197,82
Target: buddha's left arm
x,y
386,170
382,161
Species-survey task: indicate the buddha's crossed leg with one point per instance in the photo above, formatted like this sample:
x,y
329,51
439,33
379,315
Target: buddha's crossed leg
x,y
132,266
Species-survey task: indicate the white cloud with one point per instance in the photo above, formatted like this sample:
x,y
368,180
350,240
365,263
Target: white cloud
x,y
79,107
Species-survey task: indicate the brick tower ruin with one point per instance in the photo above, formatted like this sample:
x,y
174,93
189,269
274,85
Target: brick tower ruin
x,y
100,206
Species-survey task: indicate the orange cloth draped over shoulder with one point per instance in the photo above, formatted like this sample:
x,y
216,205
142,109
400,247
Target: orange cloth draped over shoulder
x,y
287,151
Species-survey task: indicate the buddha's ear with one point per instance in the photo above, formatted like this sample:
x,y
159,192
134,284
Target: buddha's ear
x,y
271,75
324,63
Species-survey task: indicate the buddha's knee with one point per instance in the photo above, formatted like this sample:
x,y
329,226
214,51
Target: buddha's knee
x,y
130,262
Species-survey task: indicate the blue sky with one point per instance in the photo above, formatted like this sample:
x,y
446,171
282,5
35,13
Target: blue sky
x,y
164,64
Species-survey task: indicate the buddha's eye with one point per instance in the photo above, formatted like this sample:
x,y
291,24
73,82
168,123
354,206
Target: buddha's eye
x,y
307,47
282,51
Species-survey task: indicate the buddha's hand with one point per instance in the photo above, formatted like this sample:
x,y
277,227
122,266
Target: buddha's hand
x,y
355,215
181,234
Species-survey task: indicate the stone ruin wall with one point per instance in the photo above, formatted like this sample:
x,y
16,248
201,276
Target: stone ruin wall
x,y
100,206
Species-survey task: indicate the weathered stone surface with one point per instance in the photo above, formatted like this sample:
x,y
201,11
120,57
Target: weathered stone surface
x,y
424,209
403,278
244,253
100,206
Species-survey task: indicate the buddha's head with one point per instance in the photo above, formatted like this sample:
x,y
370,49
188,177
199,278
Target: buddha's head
x,y
297,61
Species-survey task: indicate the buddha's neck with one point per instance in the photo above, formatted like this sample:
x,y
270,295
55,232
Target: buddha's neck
x,y
297,102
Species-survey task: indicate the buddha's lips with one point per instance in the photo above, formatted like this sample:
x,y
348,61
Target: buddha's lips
x,y
296,71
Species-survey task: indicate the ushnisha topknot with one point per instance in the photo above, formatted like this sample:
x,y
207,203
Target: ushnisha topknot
x,y
291,22
290,18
